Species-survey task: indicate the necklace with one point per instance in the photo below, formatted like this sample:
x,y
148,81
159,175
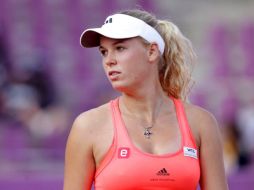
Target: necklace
x,y
147,130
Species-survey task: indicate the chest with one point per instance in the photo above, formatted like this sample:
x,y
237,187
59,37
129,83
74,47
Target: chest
x,y
166,137
163,137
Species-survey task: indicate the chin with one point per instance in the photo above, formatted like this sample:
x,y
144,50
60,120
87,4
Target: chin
x,y
120,87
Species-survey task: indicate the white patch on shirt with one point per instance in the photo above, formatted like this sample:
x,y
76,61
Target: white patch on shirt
x,y
191,152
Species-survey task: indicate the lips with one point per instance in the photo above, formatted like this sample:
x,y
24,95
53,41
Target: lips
x,y
113,74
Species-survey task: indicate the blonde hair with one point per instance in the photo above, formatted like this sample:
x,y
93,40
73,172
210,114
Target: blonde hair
x,y
175,67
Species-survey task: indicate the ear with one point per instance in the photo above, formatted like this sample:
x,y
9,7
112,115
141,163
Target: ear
x,y
153,52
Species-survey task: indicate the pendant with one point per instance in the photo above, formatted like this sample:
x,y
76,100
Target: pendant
x,y
147,133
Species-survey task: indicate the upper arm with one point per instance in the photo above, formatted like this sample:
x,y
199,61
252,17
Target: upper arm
x,y
79,162
211,154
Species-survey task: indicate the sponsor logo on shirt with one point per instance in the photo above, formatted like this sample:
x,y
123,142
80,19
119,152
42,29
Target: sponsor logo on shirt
x,y
190,152
163,172
123,152
162,176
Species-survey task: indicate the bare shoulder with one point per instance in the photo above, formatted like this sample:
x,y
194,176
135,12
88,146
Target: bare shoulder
x,y
85,127
87,123
199,115
79,155
202,122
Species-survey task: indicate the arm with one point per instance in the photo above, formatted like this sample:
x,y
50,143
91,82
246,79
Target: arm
x,y
211,154
79,161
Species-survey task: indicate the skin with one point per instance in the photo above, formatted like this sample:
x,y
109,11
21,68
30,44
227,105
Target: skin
x,y
135,75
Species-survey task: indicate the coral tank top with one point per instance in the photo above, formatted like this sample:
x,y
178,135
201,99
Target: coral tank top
x,y
125,167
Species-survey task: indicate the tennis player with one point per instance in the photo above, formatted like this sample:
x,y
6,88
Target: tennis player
x,y
150,137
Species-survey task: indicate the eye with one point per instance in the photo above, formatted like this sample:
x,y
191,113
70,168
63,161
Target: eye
x,y
120,48
103,52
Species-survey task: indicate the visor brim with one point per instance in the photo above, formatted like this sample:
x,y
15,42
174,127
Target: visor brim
x,y
91,37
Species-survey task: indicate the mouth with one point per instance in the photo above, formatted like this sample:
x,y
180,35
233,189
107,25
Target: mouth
x,y
113,74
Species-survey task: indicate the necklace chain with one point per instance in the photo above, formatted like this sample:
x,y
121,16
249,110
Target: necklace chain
x,y
147,130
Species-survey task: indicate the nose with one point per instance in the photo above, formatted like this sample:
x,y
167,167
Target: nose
x,y
110,60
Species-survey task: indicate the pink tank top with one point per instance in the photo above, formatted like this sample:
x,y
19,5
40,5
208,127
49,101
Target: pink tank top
x,y
127,168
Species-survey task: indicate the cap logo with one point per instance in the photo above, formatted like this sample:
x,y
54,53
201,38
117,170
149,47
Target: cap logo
x,y
109,20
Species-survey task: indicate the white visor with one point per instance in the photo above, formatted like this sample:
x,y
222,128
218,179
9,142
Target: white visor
x,y
121,26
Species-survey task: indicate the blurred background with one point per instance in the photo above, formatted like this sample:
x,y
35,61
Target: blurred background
x,y
47,79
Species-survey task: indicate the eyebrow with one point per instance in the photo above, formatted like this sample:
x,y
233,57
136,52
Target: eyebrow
x,y
117,42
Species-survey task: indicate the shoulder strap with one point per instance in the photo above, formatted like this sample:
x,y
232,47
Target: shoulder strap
x,y
110,153
183,122
122,137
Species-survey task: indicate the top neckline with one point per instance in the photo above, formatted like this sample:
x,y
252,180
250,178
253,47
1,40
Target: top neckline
x,y
129,141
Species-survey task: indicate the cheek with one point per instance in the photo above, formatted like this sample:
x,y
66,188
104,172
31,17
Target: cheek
x,y
136,71
134,59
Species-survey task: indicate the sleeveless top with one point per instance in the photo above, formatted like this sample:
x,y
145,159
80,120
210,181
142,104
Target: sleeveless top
x,y
125,167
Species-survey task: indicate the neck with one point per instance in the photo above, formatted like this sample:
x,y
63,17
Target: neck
x,y
145,106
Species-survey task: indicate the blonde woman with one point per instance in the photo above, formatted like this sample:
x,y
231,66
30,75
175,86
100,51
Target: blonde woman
x,y
149,138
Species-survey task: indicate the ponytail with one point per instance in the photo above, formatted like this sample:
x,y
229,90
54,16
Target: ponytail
x,y
177,59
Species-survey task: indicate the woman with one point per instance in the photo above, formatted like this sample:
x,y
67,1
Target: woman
x,y
149,137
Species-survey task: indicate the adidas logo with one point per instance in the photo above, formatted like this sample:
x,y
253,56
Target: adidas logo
x,y
163,172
